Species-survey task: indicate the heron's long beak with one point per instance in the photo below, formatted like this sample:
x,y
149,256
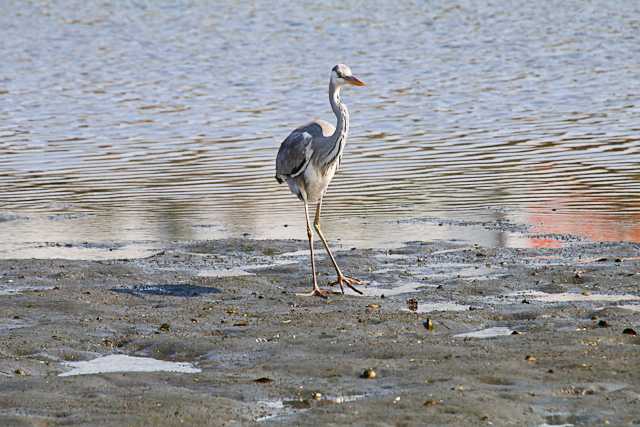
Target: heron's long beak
x,y
354,81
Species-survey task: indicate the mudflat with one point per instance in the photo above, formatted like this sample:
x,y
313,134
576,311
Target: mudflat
x,y
447,333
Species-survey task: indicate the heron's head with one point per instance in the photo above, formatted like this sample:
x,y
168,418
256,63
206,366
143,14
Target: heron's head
x,y
341,76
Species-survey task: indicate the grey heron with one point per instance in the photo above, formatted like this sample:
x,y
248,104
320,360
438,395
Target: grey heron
x,y
309,158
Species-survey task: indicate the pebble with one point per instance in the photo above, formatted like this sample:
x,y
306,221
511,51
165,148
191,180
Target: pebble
x,y
369,374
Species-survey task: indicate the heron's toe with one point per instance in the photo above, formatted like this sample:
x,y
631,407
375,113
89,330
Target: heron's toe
x,y
349,282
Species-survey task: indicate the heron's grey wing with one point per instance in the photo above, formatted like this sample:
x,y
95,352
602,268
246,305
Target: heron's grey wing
x,y
294,155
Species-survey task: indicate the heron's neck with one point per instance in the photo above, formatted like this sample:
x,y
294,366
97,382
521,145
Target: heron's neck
x,y
339,137
341,112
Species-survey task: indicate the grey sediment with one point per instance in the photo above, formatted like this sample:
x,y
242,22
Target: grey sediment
x,y
268,356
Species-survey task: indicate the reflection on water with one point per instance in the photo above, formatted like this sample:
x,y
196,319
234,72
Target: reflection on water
x,y
162,121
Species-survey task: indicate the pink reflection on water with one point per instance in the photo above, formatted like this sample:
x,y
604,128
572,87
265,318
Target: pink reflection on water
x,y
592,225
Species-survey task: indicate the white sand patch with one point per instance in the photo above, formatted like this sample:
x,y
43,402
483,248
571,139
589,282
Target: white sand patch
x,y
372,290
576,297
226,272
12,290
487,333
124,363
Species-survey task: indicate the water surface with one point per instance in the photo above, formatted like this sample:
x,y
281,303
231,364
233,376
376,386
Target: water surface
x,y
153,121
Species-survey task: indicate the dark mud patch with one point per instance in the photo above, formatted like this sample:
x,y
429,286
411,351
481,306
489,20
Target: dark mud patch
x,y
178,290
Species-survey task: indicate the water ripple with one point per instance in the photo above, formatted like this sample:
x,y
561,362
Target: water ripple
x,y
125,110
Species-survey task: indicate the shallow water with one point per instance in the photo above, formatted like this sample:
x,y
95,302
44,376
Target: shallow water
x,y
279,408
151,121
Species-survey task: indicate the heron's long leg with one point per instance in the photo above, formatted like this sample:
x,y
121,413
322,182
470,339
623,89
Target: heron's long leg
x,y
342,279
316,290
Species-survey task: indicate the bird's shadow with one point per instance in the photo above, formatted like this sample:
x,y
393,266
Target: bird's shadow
x,y
177,290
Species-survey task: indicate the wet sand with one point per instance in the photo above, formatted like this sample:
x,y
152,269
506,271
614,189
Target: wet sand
x,y
520,336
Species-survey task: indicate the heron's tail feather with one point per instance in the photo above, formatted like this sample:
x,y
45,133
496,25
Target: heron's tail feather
x,y
279,179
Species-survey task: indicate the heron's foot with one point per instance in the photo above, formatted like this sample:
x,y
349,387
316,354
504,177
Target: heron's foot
x,y
316,292
349,282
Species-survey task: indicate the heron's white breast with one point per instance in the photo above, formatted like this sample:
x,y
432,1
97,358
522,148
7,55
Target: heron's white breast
x,y
316,182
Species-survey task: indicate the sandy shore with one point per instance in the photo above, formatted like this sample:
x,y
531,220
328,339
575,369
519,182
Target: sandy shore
x,y
251,351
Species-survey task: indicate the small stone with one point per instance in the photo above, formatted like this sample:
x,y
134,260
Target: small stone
x,y
373,306
369,374
531,359
525,301
603,324
629,331
263,380
194,320
432,402
165,327
516,333
20,372
316,396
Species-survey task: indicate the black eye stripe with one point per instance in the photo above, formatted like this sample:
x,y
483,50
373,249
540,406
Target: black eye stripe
x,y
338,72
